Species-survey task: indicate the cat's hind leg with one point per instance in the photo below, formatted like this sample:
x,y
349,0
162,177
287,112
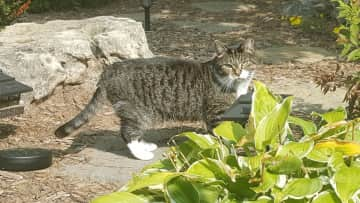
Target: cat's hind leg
x,y
134,121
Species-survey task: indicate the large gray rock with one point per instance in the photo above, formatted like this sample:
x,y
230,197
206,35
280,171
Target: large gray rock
x,y
68,51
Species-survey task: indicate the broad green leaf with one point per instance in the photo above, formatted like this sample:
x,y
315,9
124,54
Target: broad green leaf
x,y
230,130
354,34
302,187
232,161
119,197
331,130
154,194
252,163
143,181
296,201
314,165
272,125
320,154
333,116
262,199
337,161
345,147
185,153
346,182
164,164
210,169
202,141
353,133
346,49
354,55
308,127
326,197
299,149
269,180
283,164
277,194
263,102
241,187
180,190
208,193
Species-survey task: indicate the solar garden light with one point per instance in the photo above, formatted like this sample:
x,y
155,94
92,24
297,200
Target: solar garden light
x,y
146,5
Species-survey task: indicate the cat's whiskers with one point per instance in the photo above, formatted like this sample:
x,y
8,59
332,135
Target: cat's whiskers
x,y
226,83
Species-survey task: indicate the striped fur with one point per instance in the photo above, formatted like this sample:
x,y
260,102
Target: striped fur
x,y
148,91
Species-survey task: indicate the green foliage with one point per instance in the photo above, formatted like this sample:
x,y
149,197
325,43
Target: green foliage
x,y
9,10
258,163
348,32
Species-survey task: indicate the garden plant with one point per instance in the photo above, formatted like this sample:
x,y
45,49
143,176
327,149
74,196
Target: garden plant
x,y
348,31
261,162
9,10
337,79
348,35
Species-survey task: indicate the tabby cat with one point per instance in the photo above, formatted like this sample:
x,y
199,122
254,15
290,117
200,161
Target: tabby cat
x,y
152,90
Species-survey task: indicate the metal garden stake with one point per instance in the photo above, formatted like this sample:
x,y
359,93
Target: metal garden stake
x,y
147,4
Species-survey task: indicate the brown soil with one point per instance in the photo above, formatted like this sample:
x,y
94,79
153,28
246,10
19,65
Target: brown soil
x,y
36,126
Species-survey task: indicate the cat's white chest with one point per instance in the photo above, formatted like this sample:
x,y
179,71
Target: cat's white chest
x,y
245,81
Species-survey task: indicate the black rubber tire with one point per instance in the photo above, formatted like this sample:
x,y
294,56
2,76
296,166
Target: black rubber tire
x,y
25,159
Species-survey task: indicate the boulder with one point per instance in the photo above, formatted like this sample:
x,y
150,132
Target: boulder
x,y
68,51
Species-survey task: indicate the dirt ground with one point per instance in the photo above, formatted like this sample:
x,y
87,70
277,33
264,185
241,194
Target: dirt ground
x,y
36,126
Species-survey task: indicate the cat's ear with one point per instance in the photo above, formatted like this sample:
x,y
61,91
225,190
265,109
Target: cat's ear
x,y
220,47
249,46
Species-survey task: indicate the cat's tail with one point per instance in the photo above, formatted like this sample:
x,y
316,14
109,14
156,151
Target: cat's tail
x,y
84,116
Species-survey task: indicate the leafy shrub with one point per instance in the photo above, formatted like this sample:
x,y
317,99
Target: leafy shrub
x,y
259,163
39,6
10,9
331,81
348,32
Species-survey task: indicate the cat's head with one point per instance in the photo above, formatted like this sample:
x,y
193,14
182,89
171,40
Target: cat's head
x,y
231,60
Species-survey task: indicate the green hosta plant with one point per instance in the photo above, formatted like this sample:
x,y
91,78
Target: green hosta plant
x,y
348,32
258,163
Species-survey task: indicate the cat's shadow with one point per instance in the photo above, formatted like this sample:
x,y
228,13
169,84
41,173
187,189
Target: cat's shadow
x,y
111,141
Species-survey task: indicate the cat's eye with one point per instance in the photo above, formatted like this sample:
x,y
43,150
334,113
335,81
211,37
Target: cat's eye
x,y
229,66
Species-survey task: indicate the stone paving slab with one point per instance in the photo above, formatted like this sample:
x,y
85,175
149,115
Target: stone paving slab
x,y
107,167
284,54
308,97
212,27
108,160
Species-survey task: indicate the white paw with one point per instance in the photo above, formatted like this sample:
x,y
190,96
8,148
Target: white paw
x,y
138,150
148,146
